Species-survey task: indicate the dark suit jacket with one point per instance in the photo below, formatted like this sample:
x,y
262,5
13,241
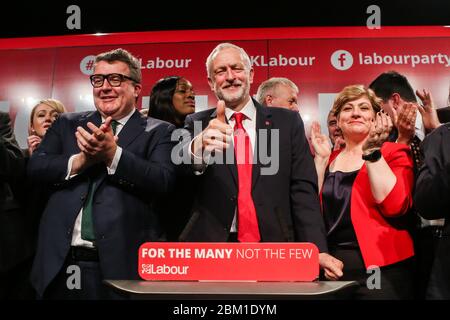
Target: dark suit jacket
x,y
443,114
14,237
432,198
122,214
287,203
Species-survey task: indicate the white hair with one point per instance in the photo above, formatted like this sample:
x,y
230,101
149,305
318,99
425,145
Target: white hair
x,y
267,87
221,47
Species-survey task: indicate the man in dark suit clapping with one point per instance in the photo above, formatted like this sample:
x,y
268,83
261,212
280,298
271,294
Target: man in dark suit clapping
x,y
105,167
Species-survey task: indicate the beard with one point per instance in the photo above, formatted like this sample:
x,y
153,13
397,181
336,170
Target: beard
x,y
233,98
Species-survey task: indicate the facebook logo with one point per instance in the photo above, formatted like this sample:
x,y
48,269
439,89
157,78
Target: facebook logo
x,y
341,59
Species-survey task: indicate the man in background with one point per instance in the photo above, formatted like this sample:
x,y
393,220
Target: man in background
x,y
410,127
334,132
278,92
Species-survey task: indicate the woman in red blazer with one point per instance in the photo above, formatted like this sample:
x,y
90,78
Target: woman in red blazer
x,y
366,191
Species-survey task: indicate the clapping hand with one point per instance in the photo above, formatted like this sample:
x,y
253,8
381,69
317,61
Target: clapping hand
x,y
405,120
100,144
379,132
428,111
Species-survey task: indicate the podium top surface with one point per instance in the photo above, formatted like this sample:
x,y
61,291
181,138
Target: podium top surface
x,y
250,289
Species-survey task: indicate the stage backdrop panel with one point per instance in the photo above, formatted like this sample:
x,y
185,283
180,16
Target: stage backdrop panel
x,y
320,67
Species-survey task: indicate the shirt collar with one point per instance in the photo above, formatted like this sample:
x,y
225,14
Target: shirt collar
x,y
420,130
123,121
248,110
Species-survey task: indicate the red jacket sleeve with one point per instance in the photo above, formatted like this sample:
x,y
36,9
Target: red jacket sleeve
x,y
399,200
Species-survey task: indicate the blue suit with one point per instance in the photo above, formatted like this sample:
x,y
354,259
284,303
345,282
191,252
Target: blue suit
x,y
122,214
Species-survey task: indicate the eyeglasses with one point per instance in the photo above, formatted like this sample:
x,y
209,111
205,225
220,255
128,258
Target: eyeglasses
x,y
114,79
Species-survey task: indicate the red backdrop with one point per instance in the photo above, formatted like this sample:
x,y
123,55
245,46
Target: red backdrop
x,y
36,68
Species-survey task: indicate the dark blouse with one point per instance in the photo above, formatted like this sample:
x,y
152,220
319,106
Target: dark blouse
x,y
336,197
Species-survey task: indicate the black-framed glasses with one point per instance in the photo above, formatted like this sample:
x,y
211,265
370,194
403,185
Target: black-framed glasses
x,y
114,79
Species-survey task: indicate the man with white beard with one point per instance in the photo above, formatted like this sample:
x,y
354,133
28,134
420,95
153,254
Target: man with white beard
x,y
240,200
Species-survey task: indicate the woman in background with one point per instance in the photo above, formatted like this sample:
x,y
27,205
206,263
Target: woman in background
x,y
34,197
172,99
41,118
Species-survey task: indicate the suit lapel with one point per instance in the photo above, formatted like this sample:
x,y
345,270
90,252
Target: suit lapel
x,y
97,172
134,127
93,117
263,122
231,167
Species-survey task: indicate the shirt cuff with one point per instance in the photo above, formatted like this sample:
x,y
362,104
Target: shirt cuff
x,y
197,162
115,162
69,168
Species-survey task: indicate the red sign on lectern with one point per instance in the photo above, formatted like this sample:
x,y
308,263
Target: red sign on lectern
x,y
189,261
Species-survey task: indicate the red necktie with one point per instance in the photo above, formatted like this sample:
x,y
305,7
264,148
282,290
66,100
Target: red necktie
x,y
248,230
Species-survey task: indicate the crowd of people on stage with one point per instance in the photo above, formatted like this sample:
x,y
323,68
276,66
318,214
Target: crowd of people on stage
x,y
372,193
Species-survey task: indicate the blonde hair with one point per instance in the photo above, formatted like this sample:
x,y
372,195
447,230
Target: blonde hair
x,y
56,105
354,92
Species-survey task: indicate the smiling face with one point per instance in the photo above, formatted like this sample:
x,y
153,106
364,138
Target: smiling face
x,y
119,101
355,117
184,97
43,117
229,79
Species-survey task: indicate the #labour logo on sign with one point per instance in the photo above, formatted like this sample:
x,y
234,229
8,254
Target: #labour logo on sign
x,y
87,65
341,59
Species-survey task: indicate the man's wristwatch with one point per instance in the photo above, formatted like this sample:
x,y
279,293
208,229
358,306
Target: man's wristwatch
x,y
374,156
